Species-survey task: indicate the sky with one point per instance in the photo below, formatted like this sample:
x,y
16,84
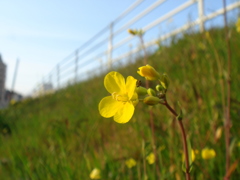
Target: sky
x,y
42,33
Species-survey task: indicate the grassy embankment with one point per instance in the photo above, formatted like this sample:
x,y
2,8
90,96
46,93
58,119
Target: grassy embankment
x,y
62,136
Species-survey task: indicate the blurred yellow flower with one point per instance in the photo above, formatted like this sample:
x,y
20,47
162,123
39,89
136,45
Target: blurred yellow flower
x,y
148,72
207,35
151,158
238,25
135,32
12,102
192,157
95,174
196,151
123,97
132,31
208,153
238,144
130,163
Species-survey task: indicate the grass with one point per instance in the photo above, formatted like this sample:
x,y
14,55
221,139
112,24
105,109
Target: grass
x,y
62,135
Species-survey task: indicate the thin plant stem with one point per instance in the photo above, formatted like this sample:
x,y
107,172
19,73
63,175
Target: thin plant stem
x,y
150,111
228,116
144,162
144,49
184,140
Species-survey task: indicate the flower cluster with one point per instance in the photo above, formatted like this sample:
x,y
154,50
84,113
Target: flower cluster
x,y
125,94
151,96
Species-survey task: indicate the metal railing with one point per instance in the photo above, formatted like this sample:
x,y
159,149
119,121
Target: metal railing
x,y
114,45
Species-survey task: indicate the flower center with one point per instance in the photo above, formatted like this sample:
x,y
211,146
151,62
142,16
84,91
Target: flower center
x,y
120,97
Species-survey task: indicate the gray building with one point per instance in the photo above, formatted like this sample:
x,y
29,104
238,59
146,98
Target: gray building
x,y
2,81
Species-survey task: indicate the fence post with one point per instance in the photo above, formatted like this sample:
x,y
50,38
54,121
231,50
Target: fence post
x,y
76,66
58,76
110,46
201,15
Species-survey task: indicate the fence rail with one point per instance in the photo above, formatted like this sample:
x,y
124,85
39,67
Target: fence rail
x,y
113,44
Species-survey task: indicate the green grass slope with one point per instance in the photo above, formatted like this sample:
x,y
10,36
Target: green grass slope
x,y
62,136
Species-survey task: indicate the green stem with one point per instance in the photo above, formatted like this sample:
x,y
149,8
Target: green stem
x,y
228,115
184,139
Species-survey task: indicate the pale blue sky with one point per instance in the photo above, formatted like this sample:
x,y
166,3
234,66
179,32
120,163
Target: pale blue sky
x,y
41,33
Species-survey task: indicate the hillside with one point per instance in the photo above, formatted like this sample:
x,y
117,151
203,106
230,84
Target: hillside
x,y
62,135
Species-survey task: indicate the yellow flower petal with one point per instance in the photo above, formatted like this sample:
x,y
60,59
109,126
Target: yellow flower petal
x,y
108,106
115,82
131,86
125,113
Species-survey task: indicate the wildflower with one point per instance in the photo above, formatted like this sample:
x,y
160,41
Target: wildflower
x,y
148,72
130,163
192,157
208,153
123,97
208,36
238,144
238,25
151,158
95,174
135,32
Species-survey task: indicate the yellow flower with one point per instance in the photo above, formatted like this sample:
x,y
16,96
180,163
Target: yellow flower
x,y
148,72
238,144
130,163
151,158
208,153
120,105
238,25
95,174
192,157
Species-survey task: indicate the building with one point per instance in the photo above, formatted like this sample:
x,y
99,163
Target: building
x,y
3,68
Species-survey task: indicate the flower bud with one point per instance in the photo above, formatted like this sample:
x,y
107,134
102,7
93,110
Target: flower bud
x,y
159,87
151,100
148,72
151,92
218,133
133,32
141,91
164,81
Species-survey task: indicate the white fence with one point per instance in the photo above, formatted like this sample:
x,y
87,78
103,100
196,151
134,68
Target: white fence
x,y
113,45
